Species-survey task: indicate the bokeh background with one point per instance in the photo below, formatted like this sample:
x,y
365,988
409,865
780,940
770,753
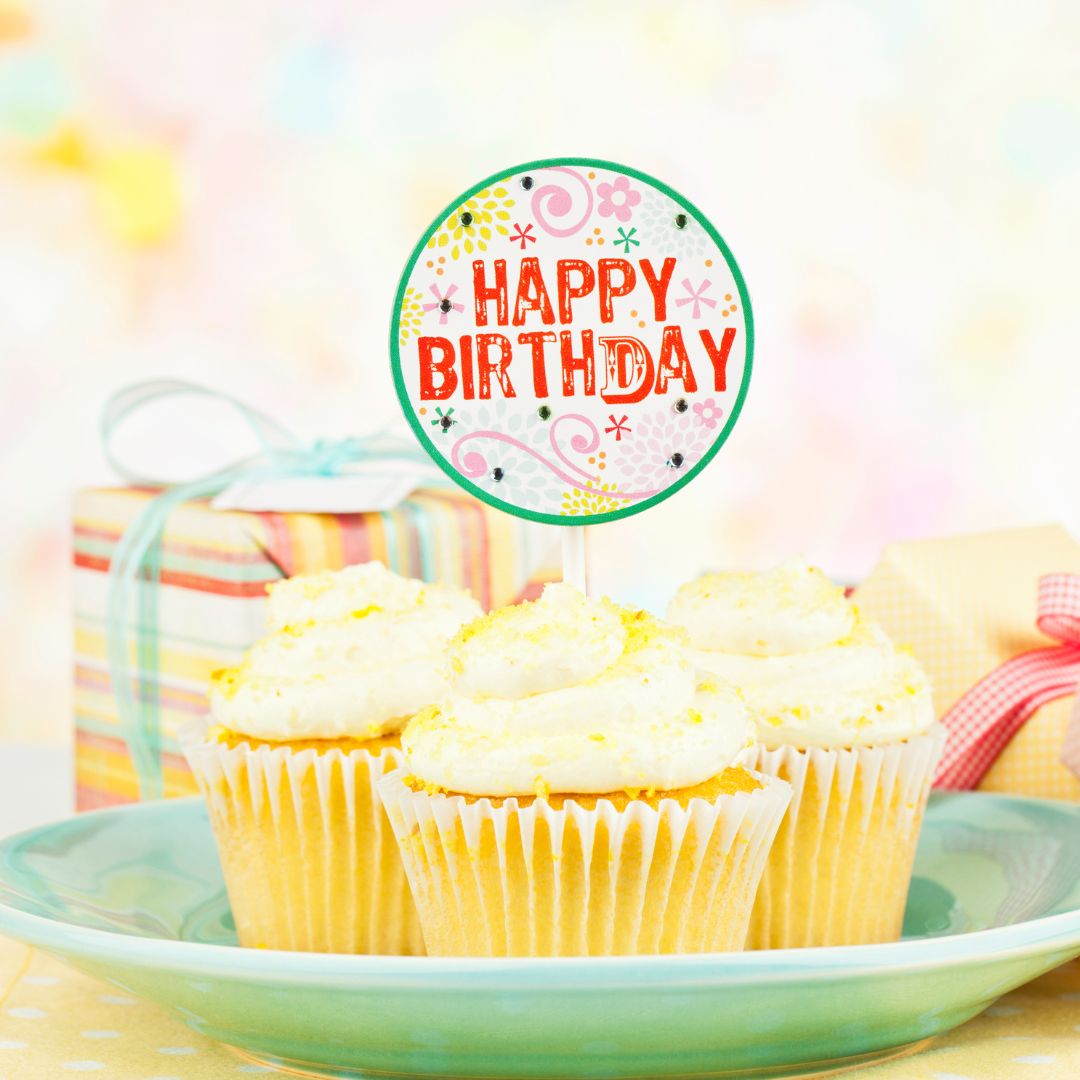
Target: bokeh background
x,y
228,192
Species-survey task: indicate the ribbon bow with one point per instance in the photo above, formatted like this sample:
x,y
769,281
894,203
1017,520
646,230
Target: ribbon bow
x,y
136,561
983,721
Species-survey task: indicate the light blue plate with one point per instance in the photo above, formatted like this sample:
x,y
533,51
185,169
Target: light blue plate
x,y
134,895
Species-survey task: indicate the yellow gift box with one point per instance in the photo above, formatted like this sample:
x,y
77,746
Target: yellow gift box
x,y
965,605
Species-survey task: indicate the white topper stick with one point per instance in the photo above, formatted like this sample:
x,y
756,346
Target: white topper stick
x,y
574,563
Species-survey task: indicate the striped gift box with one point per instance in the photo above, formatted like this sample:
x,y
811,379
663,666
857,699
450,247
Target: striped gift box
x,y
208,606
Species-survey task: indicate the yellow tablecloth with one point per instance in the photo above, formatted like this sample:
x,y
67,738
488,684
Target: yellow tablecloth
x,y
56,1023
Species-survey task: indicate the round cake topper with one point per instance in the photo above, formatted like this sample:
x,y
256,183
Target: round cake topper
x,y
572,341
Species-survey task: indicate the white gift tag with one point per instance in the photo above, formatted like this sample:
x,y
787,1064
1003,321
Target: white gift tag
x,y
348,493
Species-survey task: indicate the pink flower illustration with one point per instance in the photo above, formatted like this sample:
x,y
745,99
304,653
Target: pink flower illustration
x,y
708,412
618,199
665,445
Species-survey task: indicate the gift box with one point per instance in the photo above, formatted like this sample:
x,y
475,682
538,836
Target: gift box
x,y
968,605
197,605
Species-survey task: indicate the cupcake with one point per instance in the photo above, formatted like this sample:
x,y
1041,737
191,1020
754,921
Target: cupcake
x,y
299,735
849,721
580,792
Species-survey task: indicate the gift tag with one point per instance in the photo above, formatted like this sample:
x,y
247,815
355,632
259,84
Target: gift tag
x,y
572,341
346,493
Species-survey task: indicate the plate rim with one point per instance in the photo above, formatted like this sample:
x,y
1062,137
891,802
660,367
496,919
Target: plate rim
x,y
1058,931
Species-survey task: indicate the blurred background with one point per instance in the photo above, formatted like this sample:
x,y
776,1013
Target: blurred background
x,y
228,193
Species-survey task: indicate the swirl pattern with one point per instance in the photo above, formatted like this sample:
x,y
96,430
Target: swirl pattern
x,y
579,443
560,202
472,462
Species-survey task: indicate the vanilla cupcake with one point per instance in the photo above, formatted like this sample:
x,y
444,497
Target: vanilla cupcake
x,y
300,733
846,718
579,791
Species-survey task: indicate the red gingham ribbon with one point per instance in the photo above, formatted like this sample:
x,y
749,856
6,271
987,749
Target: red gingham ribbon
x,y
983,721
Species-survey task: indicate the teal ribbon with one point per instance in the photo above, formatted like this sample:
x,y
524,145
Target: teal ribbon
x,y
135,567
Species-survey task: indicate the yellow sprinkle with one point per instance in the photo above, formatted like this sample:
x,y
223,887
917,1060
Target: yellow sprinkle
x,y
417,784
226,681
540,787
427,717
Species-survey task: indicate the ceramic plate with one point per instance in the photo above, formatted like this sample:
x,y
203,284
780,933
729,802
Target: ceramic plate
x,y
134,895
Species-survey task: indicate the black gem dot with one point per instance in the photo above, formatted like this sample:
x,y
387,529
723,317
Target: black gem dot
x,y
445,423
527,182
544,412
681,405
465,218
496,474
445,305
681,221
675,461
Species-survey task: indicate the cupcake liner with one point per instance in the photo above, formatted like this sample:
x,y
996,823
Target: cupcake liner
x,y
309,860
839,870
532,880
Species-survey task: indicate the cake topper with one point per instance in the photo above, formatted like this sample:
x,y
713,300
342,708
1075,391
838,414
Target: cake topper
x,y
572,341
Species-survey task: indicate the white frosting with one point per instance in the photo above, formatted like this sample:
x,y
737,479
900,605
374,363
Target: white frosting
x,y
353,654
812,673
570,695
787,610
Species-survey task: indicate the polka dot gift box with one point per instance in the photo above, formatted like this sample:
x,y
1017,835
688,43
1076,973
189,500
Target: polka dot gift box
x,y
967,605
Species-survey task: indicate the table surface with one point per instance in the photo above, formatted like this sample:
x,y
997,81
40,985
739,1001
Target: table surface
x,y
56,1022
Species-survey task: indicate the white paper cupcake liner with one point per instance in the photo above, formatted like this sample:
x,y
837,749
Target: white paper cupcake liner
x,y
527,879
309,859
839,870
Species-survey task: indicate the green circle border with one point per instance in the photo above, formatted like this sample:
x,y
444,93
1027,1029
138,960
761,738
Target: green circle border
x,y
481,493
